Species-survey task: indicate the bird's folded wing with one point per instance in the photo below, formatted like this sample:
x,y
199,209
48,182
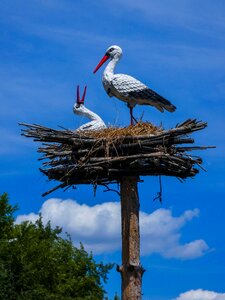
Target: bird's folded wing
x,y
132,88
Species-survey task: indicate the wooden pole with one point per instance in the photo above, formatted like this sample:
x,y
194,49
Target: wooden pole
x,y
131,269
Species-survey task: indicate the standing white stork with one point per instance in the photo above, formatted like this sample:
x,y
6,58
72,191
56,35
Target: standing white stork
x,y
127,88
96,122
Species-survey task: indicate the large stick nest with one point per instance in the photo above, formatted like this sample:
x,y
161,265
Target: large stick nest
x,y
104,156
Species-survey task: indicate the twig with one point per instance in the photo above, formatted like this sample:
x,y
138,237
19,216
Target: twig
x,y
159,194
110,190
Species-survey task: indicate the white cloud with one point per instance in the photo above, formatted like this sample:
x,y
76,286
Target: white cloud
x,y
98,227
201,295
161,234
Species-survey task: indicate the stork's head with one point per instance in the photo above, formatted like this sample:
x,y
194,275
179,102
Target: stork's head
x,y
112,52
80,101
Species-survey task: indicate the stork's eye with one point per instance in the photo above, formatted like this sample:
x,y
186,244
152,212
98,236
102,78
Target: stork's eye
x,y
111,49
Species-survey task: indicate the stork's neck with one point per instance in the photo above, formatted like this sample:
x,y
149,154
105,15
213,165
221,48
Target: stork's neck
x,y
90,114
109,70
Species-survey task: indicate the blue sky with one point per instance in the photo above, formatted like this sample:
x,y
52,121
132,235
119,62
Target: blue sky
x,y
177,47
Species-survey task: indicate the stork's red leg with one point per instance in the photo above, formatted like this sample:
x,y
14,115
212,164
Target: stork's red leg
x,y
131,116
134,119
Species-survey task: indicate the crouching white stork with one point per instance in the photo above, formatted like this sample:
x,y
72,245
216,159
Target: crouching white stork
x,y
127,88
96,122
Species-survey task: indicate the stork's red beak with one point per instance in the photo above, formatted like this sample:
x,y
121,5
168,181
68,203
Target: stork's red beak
x,y
103,60
81,101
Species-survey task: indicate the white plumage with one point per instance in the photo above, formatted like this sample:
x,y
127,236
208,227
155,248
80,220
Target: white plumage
x,y
127,88
79,109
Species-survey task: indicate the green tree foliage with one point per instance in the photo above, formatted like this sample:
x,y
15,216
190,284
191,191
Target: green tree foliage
x,y
6,216
37,263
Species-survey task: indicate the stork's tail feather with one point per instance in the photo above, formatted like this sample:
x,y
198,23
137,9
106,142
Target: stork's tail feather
x,y
154,99
170,107
161,106
164,103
